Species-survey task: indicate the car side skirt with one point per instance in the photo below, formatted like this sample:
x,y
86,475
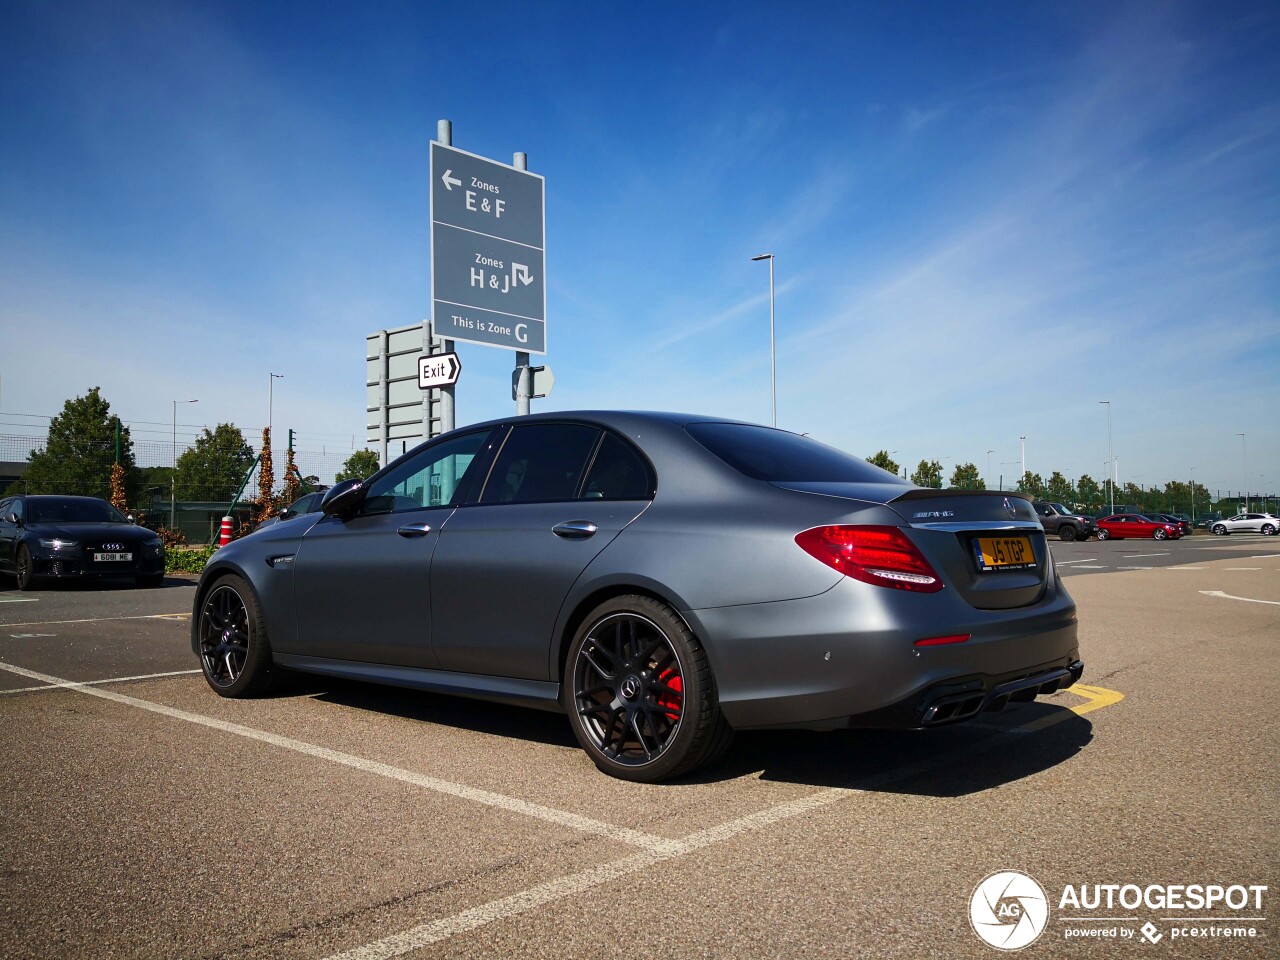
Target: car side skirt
x,y
538,694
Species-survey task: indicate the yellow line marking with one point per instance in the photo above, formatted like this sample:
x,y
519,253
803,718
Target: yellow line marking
x,y
1098,698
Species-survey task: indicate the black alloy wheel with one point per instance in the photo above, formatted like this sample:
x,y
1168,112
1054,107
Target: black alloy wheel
x,y
26,569
640,695
234,654
1066,532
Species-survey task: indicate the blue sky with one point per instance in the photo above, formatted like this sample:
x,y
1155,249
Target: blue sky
x,y
986,217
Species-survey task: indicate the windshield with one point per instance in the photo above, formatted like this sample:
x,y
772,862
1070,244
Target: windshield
x,y
59,510
1061,509
763,453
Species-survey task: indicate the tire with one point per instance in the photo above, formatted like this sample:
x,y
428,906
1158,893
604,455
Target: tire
x,y
1067,533
639,693
1219,529
1268,529
24,570
235,654
150,580
1104,535
1160,534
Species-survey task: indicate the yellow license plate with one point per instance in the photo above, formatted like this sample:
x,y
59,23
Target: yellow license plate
x,y
1004,553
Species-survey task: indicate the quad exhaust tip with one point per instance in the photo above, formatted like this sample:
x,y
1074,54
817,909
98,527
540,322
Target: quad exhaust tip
x,y
954,707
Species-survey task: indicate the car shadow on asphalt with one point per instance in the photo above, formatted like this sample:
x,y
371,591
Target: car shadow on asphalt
x,y
948,761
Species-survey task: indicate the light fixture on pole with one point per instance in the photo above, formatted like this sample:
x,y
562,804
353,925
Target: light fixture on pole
x,y
1244,466
270,394
1111,458
173,478
773,364
989,453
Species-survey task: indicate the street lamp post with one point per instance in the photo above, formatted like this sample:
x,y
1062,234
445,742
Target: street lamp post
x,y
173,479
1244,464
773,366
270,394
1024,459
989,453
1193,496
1111,458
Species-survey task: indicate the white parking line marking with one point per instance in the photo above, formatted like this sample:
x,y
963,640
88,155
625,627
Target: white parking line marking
x,y
1134,556
1134,568
1063,563
435,931
1227,596
1241,568
147,616
563,818
1093,566
1265,556
90,683
18,599
1184,568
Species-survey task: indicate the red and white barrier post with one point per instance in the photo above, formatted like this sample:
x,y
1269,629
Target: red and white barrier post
x,y
225,536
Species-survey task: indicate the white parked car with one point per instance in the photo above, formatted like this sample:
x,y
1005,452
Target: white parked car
x,y
1265,523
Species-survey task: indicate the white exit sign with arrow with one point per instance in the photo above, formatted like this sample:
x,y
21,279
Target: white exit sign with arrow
x,y
439,370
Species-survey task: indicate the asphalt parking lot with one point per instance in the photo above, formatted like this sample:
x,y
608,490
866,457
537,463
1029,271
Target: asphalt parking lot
x,y
146,817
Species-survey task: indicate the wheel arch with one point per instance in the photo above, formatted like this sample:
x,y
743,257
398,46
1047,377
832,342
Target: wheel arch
x,y
208,577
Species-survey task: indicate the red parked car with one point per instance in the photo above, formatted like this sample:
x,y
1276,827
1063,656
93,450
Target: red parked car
x,y
1126,525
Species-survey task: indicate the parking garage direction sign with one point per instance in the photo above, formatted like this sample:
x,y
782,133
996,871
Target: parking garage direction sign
x,y
488,242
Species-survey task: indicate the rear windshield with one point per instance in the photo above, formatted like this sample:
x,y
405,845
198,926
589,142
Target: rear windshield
x,y
775,455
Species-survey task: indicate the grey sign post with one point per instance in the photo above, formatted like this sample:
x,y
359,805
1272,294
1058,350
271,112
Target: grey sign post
x,y
488,242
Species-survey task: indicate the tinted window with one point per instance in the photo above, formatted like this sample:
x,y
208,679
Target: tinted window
x,y
430,478
540,461
617,474
57,510
765,454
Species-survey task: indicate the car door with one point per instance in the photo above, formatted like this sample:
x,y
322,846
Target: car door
x,y
555,497
362,583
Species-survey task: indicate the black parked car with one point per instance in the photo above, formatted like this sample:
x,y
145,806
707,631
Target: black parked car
x,y
1172,518
1067,524
74,537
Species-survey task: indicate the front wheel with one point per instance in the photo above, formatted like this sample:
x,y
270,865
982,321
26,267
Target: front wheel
x,y
1220,529
1066,533
26,570
235,655
1160,534
1104,535
639,692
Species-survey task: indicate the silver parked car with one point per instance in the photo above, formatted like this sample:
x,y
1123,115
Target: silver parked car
x,y
1264,523
662,579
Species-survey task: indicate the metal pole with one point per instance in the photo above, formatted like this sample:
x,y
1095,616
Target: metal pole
x,y
524,376
384,416
1244,463
989,453
1111,458
773,355
173,477
1024,457
270,396
444,135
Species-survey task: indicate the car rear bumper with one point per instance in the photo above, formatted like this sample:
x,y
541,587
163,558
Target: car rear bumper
x,y
847,658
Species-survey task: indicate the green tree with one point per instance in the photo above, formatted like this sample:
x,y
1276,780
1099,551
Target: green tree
x,y
885,462
966,476
214,466
928,474
1032,485
81,449
1058,490
1088,492
361,464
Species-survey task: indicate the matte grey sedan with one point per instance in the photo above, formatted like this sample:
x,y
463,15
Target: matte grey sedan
x,y
662,579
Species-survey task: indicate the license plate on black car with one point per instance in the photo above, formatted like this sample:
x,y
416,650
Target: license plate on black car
x,y
1003,553
112,556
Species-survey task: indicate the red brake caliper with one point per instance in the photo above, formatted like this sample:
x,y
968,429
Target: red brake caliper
x,y
672,702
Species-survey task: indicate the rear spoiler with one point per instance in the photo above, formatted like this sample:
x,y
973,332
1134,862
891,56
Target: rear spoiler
x,y
926,493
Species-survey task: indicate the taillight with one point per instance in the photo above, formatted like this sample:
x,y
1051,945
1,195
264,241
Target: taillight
x,y
873,554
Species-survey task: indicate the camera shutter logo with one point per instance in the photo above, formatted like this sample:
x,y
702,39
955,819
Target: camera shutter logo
x,y
1009,910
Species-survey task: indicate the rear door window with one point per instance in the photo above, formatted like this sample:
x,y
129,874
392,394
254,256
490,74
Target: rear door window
x,y
541,462
618,473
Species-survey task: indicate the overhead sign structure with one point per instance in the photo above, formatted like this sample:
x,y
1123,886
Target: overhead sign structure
x,y
488,243
400,414
438,371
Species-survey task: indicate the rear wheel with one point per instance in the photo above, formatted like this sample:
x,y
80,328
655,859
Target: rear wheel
x,y
1220,529
1160,534
1268,529
25,570
1066,532
639,692
1104,535
235,655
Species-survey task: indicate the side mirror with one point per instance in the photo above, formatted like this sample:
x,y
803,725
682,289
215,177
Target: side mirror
x,y
14,519
284,513
131,518
342,498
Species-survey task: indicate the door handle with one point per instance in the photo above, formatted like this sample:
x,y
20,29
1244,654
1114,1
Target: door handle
x,y
414,530
575,529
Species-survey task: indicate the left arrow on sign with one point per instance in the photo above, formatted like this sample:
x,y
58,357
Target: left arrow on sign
x,y
450,181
